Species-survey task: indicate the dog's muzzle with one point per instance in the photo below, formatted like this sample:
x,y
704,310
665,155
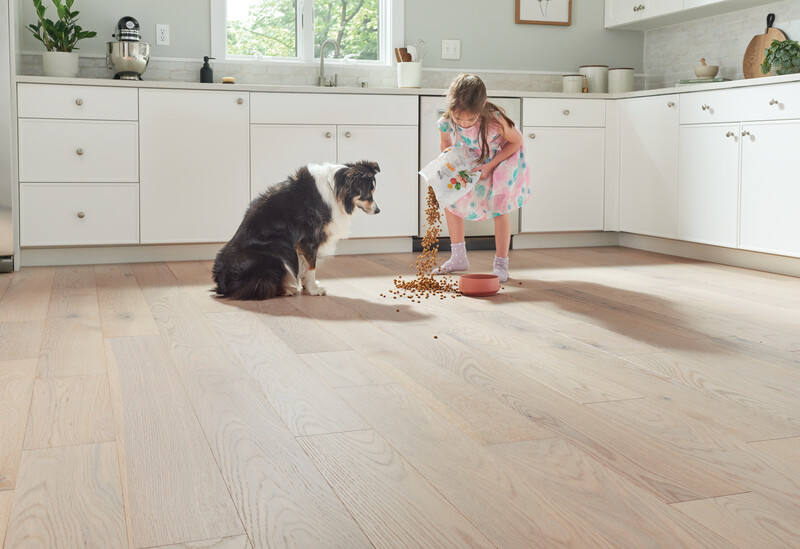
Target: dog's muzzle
x,y
370,208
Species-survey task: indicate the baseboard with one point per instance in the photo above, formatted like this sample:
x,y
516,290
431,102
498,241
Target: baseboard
x,y
564,240
714,254
96,255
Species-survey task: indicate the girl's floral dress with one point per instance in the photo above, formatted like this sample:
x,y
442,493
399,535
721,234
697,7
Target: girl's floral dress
x,y
505,190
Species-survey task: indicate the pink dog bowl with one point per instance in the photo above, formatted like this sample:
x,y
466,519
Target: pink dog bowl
x,y
478,285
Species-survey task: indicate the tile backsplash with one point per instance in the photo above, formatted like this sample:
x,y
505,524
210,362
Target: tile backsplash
x,y
671,53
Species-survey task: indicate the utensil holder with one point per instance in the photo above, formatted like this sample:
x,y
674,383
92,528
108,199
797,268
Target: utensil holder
x,y
409,75
597,77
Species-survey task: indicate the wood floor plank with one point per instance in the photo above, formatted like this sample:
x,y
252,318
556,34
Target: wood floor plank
x,y
617,510
20,340
282,498
235,542
401,508
671,475
747,520
5,510
501,505
172,307
477,414
5,282
174,488
304,402
68,497
786,450
69,410
195,277
72,343
740,462
28,295
344,368
16,390
123,309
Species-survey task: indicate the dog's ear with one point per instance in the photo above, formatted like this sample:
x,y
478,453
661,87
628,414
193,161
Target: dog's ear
x,y
364,166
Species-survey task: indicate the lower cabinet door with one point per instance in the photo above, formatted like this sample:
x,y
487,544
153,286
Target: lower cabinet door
x,y
194,183
770,192
708,184
69,214
276,151
567,167
395,149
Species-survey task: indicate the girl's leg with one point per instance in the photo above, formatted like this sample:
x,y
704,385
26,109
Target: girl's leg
x,y
502,242
458,249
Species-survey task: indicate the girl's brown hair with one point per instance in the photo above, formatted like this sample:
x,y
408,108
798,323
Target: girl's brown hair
x,y
467,94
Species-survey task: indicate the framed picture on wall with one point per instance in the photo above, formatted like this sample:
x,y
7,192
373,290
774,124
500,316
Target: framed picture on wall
x,y
544,12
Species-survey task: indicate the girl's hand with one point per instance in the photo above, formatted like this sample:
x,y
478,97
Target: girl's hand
x,y
485,170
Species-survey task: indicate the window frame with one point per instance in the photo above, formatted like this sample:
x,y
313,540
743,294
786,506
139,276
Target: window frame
x,y
391,28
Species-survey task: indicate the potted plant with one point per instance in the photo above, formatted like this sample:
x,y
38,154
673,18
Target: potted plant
x,y
782,57
60,38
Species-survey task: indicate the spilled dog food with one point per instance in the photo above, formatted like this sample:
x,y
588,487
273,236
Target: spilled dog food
x,y
425,285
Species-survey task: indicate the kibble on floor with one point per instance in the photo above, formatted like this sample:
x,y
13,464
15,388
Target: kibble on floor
x,y
424,284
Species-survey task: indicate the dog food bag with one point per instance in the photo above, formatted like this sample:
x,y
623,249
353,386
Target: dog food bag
x,y
450,174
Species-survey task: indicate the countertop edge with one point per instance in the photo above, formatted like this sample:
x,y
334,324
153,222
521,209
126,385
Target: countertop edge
x,y
165,84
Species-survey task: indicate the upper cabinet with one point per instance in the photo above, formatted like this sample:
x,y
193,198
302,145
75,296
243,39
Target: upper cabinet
x,y
649,14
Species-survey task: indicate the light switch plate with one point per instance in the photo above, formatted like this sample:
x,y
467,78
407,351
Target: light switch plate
x,y
162,35
451,49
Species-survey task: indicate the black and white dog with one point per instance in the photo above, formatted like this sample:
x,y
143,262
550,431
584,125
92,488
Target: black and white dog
x,y
288,227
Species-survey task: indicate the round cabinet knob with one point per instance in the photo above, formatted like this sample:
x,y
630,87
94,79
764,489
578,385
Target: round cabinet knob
x,y
327,135
240,101
79,102
79,152
81,215
705,107
532,135
729,134
745,133
566,112
347,134
670,104
773,102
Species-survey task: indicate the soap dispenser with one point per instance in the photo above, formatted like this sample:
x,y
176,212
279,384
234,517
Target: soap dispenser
x,y
206,72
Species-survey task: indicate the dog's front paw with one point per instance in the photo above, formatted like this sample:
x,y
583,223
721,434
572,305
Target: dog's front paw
x,y
316,290
289,291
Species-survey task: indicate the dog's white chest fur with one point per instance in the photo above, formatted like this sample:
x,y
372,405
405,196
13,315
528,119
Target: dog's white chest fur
x,y
339,227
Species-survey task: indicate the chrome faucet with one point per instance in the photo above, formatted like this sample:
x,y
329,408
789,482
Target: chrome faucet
x,y
321,80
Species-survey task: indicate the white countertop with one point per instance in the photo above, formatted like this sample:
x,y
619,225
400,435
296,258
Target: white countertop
x,y
170,84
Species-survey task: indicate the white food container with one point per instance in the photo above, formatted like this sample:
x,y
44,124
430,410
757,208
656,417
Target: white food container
x,y
620,80
597,77
572,83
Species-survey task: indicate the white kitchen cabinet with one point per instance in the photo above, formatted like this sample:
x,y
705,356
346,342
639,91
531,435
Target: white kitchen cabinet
x,y
649,14
708,184
770,196
620,12
567,173
649,166
194,184
321,128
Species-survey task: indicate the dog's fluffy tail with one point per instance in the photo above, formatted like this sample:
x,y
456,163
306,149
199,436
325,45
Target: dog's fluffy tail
x,y
252,277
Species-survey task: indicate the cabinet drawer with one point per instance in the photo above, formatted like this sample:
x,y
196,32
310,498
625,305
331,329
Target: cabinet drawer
x,y
564,112
64,151
779,102
78,102
57,214
312,108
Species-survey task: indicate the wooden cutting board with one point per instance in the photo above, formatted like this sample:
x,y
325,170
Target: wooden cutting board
x,y
754,55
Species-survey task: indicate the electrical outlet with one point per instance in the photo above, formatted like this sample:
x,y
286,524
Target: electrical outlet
x,y
451,49
162,35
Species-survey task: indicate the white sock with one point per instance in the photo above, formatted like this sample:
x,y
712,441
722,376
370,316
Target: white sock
x,y
457,262
500,268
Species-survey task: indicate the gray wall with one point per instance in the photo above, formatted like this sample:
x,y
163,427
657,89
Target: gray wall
x,y
490,39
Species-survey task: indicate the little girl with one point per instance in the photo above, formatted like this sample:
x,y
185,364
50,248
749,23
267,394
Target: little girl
x,y
471,121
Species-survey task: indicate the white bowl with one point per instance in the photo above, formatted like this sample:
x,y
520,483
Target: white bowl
x,y
706,71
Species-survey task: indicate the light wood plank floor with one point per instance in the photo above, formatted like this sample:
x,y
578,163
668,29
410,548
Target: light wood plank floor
x,y
606,397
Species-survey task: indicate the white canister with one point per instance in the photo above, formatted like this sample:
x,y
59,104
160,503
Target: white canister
x,y
620,80
597,77
409,74
572,83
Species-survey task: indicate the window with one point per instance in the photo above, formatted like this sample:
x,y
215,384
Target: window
x,y
294,30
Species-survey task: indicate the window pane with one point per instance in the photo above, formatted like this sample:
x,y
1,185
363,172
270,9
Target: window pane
x,y
352,23
262,27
